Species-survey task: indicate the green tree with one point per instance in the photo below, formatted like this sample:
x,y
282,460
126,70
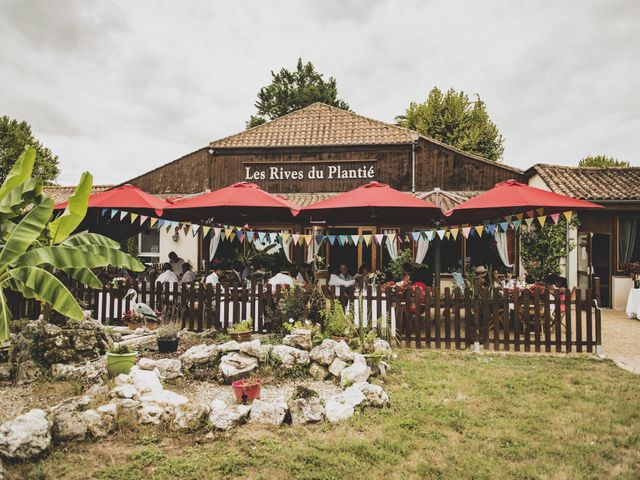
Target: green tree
x,y
454,119
293,90
603,161
14,137
544,248
35,246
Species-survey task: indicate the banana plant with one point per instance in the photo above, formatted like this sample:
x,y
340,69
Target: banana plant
x,y
38,244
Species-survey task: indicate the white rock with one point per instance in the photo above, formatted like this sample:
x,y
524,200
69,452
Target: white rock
x,y
126,390
145,381
126,405
122,379
290,356
353,396
168,368
255,349
146,363
99,425
224,417
190,416
299,338
358,372
68,421
318,372
267,413
199,355
230,346
164,398
306,407
381,346
150,413
343,352
236,366
336,367
108,409
25,437
375,394
324,353
336,410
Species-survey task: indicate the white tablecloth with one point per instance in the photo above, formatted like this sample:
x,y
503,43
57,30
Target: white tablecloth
x,y
633,303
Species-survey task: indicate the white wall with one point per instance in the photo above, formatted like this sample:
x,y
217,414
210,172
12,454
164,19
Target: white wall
x,y
186,247
620,287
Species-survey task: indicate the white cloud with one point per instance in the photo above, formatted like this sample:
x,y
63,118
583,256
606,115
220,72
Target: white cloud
x,y
122,87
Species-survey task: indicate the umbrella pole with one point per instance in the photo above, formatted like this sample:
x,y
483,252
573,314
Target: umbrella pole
x,y
436,262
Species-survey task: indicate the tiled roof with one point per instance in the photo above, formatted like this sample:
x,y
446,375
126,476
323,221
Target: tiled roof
x,y
591,183
60,193
444,200
316,125
447,200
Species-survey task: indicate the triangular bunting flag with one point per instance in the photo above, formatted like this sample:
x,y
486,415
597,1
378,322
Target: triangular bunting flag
x,y
249,235
114,212
240,235
492,229
123,214
159,221
366,239
205,230
541,220
194,229
391,237
430,234
355,239
516,225
342,239
479,229
319,239
217,230
540,211
273,238
232,235
528,221
186,227
504,226
440,233
531,213
228,232
379,237
307,239
294,236
133,217
447,234
104,211
519,217
465,231
454,233
143,218
568,215
284,235
555,217
332,239
416,236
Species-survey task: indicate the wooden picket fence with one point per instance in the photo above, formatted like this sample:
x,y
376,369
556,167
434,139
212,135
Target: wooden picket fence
x,y
444,319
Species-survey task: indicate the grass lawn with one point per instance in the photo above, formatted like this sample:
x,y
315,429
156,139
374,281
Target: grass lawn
x,y
454,415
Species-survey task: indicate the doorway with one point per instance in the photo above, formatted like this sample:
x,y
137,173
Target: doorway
x,y
601,261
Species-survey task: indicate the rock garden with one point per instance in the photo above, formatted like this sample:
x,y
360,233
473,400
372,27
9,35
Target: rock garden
x,y
209,383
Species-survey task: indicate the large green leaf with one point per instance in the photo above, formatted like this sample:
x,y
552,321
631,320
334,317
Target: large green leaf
x,y
20,197
27,232
48,289
86,238
60,256
77,204
84,276
20,172
5,317
116,257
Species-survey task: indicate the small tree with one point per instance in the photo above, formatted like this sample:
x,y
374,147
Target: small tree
x,y
603,161
293,90
454,119
543,248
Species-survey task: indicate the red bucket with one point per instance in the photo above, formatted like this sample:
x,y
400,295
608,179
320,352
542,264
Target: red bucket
x,y
246,392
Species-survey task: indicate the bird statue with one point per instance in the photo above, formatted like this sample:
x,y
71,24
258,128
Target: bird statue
x,y
147,313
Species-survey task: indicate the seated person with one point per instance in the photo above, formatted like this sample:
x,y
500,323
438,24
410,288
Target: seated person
x,y
176,263
339,281
497,284
187,274
343,272
508,281
362,277
214,277
167,275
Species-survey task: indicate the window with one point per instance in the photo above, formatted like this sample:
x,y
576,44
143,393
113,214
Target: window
x,y
149,245
628,240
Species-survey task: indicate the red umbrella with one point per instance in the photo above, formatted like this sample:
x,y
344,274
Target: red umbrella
x,y
125,197
373,202
511,198
240,203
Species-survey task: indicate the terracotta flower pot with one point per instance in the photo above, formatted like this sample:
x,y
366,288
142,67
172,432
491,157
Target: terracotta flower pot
x,y
246,391
241,336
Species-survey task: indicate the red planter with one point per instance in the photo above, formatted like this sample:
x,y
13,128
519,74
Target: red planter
x,y
246,391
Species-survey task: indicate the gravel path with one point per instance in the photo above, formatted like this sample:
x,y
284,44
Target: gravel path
x,y
621,339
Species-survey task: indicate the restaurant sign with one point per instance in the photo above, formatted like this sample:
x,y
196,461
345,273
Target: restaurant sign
x,y
310,171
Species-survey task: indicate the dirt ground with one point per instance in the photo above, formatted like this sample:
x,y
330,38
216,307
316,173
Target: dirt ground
x,y
621,339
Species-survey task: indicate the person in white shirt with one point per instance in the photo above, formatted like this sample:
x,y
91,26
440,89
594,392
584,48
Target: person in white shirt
x,y
176,263
214,277
167,276
187,274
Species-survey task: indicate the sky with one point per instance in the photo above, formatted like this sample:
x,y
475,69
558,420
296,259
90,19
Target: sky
x,y
121,87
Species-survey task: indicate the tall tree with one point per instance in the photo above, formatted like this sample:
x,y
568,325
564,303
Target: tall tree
x,y
603,161
454,119
293,90
14,137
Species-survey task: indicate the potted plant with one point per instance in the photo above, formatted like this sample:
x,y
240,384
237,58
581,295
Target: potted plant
x,y
168,338
246,390
633,270
242,331
133,319
120,359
